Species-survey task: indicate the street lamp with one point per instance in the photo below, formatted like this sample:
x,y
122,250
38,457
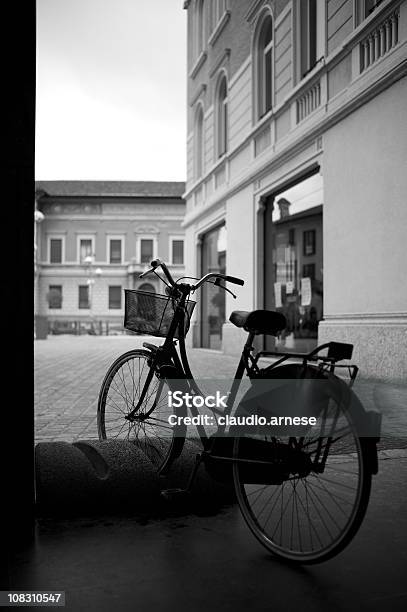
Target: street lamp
x,y
38,218
40,322
89,260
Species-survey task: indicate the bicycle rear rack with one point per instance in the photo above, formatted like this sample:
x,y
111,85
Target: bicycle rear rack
x,y
327,363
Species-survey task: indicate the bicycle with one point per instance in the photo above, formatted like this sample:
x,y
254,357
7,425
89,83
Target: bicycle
x,y
303,494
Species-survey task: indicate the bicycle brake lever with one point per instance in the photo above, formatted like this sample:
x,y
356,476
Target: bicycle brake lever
x,y
225,288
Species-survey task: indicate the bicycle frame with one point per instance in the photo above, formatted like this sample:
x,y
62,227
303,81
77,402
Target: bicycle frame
x,y
167,355
263,457
181,375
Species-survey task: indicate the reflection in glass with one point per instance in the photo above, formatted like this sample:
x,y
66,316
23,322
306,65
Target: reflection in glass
x,y
294,262
213,298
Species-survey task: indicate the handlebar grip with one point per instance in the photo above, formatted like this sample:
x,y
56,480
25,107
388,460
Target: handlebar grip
x,y
233,279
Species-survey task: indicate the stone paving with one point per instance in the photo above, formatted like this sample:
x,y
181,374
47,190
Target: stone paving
x,y
69,371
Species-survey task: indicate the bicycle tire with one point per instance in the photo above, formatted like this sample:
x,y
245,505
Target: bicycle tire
x,y
119,394
297,546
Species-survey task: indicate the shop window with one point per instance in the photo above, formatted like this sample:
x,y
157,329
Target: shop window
x,y
293,262
213,305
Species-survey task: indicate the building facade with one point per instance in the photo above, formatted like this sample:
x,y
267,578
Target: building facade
x,y
94,240
303,101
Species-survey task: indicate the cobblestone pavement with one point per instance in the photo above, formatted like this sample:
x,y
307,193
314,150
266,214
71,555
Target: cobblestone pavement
x,y
68,374
69,371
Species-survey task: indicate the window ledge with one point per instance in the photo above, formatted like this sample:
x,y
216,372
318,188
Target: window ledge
x,y
262,122
199,62
219,27
219,161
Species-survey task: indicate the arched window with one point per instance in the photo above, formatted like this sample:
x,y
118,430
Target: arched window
x,y
265,67
199,143
222,116
146,287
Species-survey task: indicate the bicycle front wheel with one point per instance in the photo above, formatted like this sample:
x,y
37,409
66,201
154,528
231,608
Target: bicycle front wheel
x,y
304,498
120,394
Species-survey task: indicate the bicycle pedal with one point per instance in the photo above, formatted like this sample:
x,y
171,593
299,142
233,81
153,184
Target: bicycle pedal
x,y
174,495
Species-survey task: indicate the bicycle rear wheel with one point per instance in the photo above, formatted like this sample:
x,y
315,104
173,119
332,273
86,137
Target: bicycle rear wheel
x,y
119,395
297,510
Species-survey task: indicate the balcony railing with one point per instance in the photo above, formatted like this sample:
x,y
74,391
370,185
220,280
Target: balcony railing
x,y
308,101
384,37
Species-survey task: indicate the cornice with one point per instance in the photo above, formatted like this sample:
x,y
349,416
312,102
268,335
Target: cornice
x,y
201,90
222,57
300,140
197,66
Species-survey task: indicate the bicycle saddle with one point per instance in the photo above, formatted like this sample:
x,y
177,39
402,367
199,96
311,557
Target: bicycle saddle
x,y
259,321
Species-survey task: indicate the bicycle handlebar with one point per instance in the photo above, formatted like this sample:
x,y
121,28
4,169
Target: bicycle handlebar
x,y
217,275
157,262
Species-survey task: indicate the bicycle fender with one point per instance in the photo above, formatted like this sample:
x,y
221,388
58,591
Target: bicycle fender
x,y
283,395
172,376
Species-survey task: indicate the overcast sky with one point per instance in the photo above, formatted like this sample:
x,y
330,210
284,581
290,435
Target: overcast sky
x,y
111,90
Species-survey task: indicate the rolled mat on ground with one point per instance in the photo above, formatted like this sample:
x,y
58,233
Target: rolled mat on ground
x,y
94,476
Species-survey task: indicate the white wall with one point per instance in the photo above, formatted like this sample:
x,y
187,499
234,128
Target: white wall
x,y
240,263
365,212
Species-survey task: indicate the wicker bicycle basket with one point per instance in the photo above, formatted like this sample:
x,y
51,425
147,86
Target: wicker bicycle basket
x,y
152,314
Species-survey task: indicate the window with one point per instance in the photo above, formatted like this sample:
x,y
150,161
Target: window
x,y
308,35
218,8
309,242
146,250
199,24
291,237
55,250
55,296
199,143
222,117
308,271
83,296
364,8
115,297
115,250
85,248
265,67
177,252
